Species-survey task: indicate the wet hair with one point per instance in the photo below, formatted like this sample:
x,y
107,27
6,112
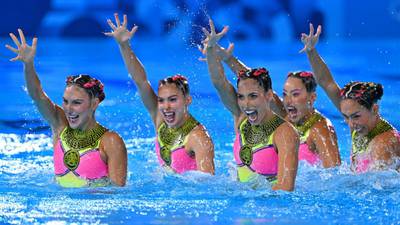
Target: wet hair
x,y
307,78
91,85
261,75
365,93
180,81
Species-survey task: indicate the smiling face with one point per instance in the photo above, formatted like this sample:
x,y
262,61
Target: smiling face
x,y
253,100
79,107
297,101
359,118
173,105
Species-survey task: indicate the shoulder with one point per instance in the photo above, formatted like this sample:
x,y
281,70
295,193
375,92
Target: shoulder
x,y
112,139
286,131
323,127
386,142
199,133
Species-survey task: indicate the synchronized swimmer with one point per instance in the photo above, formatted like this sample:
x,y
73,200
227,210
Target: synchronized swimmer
x,y
272,135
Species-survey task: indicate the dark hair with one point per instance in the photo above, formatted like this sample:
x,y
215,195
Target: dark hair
x,y
180,81
365,93
91,85
261,75
307,78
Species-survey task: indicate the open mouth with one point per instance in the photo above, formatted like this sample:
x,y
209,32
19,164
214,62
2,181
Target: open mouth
x,y
292,112
73,118
252,115
169,117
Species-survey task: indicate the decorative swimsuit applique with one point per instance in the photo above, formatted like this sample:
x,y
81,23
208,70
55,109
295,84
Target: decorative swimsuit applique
x,y
360,143
77,140
171,137
256,134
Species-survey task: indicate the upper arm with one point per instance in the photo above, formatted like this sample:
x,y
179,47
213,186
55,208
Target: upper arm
x,y
203,147
286,140
51,112
114,148
333,92
324,138
149,98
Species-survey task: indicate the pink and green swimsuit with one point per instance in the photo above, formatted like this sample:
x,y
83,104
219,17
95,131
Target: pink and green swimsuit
x,y
254,151
77,160
170,146
304,130
360,156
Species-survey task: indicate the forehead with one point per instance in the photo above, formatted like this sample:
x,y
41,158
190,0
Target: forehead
x,y
349,106
249,85
169,89
73,91
294,83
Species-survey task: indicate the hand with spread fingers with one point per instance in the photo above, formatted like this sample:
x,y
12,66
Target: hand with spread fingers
x,y
311,39
212,37
25,53
120,31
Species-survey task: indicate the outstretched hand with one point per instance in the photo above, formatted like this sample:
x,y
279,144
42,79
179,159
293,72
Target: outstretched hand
x,y
212,37
25,53
223,53
119,31
311,39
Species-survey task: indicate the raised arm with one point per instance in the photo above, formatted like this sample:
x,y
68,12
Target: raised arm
x,y
52,113
236,66
135,68
286,141
225,89
322,73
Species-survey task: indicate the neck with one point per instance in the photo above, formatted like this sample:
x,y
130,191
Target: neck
x,y
89,125
304,118
268,116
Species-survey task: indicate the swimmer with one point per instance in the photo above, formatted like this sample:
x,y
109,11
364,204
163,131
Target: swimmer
x,y
85,152
318,142
266,145
375,142
182,143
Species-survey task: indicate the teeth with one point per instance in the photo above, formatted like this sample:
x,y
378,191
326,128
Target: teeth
x,y
248,112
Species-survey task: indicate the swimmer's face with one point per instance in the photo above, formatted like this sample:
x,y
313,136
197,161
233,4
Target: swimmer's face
x,y
253,100
78,107
359,118
173,105
297,101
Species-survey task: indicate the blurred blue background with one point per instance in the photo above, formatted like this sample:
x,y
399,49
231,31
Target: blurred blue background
x,y
276,20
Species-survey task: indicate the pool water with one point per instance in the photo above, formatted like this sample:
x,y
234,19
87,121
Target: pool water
x,y
28,193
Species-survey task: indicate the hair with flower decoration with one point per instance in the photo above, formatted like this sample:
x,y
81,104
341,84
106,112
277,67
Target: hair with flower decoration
x,y
307,78
365,93
91,85
180,81
261,75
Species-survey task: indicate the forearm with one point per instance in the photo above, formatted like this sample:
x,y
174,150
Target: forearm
x,y
322,73
215,69
134,66
32,81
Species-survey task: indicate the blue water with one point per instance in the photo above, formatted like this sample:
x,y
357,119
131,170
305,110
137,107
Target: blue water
x,y
28,193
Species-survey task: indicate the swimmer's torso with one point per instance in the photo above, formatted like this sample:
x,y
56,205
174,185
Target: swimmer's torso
x,y
170,146
254,151
77,159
